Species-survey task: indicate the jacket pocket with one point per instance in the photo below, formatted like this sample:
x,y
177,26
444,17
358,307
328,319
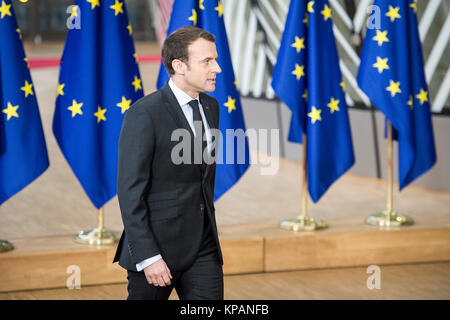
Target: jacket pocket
x,y
163,213
165,195
163,205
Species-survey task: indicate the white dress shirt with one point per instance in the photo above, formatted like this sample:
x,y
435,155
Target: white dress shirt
x,y
183,100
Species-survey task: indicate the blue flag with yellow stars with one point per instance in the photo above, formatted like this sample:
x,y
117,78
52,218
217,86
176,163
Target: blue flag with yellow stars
x,y
308,79
208,15
23,152
392,75
99,80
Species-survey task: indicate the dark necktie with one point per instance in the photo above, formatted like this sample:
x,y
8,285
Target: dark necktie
x,y
199,137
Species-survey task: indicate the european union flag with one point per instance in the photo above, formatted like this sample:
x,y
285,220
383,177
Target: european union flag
x,y
392,75
23,153
308,79
99,80
208,15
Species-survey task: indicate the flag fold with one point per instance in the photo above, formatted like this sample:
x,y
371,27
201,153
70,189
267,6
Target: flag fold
x,y
307,78
23,151
98,82
392,75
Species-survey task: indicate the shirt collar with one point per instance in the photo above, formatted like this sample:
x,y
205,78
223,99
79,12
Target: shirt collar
x,y
182,97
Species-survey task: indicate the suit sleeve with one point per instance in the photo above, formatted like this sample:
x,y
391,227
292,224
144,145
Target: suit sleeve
x,y
136,149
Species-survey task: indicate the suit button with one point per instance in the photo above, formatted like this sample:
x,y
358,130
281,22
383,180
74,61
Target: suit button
x,y
202,207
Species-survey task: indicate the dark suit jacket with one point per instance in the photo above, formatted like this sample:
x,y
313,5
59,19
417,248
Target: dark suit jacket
x,y
162,204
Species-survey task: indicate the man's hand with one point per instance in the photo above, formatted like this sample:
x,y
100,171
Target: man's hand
x,y
158,273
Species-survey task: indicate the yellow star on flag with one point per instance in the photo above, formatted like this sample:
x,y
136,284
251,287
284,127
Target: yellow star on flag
x,y
381,64
100,114
410,102
219,9
117,7
298,44
394,88
5,9
135,57
130,29
59,91
94,3
230,104
193,18
342,84
333,105
27,88
200,5
299,71
136,83
393,13
26,60
305,95
11,111
20,33
315,115
74,11
75,108
381,37
422,96
326,12
310,6
413,5
124,104
306,18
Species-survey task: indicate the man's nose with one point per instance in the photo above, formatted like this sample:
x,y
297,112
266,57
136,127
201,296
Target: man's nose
x,y
216,68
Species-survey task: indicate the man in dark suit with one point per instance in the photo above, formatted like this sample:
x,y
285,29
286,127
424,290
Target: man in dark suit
x,y
170,236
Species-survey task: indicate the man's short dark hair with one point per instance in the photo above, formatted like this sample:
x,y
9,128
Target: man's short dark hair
x,y
176,44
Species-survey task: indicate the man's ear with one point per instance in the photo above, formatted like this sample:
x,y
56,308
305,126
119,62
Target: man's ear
x,y
178,66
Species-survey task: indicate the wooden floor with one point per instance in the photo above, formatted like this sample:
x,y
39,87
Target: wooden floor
x,y
417,281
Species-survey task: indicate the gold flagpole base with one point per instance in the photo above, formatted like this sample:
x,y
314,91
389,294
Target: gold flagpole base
x,y
5,246
97,237
381,219
303,224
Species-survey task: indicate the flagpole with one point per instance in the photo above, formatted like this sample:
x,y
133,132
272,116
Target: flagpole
x,y
304,182
390,195
5,246
389,218
98,236
303,222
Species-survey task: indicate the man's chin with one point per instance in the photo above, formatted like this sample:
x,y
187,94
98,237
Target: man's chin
x,y
211,88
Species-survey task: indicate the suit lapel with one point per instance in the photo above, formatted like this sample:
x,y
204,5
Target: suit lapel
x,y
172,106
174,109
208,112
212,122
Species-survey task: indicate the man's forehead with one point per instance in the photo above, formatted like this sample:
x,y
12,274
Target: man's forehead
x,y
202,47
